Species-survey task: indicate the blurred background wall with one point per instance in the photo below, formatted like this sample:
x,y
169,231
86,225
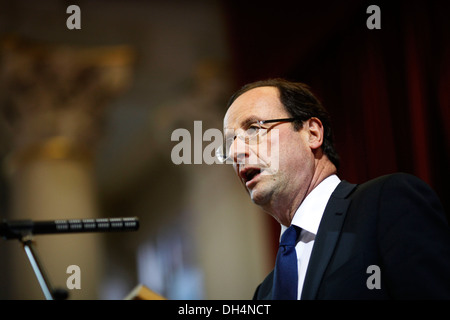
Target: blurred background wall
x,y
87,119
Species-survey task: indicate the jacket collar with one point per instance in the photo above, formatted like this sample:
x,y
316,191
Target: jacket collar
x,y
326,238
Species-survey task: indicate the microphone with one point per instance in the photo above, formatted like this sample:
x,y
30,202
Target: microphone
x,y
16,229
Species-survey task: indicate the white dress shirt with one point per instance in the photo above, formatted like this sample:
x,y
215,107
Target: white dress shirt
x,y
308,217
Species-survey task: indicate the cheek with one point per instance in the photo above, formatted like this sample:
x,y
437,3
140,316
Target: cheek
x,y
272,146
294,155
269,149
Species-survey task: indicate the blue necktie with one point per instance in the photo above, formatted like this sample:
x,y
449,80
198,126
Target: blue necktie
x,y
285,280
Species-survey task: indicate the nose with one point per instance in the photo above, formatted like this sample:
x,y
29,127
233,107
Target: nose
x,y
239,151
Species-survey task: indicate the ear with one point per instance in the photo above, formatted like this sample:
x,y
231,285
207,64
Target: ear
x,y
315,131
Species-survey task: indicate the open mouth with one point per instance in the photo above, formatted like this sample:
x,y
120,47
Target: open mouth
x,y
249,174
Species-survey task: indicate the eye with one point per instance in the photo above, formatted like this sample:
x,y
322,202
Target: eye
x,y
252,130
230,134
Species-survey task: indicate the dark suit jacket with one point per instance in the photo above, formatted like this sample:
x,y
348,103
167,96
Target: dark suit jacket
x,y
395,222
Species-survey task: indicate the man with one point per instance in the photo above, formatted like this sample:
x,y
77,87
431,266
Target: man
x,y
385,239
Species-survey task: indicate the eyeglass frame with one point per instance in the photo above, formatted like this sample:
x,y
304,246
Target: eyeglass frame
x,y
221,155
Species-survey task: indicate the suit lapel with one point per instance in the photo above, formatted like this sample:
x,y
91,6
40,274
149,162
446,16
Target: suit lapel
x,y
326,238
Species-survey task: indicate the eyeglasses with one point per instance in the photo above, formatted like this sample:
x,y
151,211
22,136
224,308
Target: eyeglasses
x,y
252,134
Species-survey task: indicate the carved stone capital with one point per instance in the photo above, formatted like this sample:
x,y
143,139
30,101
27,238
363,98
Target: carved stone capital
x,y
53,91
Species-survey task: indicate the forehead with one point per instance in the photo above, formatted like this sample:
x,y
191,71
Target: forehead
x,y
262,103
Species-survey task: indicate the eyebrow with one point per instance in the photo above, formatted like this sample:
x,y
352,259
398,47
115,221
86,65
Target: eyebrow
x,y
249,120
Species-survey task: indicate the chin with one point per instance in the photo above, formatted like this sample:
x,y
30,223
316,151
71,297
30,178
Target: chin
x,y
259,197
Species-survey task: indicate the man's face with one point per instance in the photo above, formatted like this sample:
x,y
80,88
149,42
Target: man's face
x,y
268,188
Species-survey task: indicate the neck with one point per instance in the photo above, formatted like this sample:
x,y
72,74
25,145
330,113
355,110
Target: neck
x,y
323,170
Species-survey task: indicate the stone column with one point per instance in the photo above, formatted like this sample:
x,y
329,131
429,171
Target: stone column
x,y
53,98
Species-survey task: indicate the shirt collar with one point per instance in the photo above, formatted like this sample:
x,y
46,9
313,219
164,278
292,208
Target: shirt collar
x,y
310,211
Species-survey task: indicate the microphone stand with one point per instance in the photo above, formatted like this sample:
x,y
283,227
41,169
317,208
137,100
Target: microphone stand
x,y
23,230
44,282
